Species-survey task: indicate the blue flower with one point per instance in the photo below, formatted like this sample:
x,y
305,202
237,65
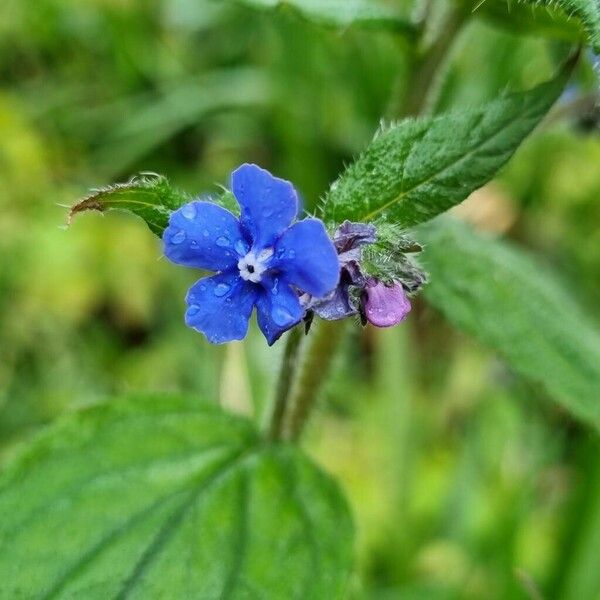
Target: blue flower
x,y
260,259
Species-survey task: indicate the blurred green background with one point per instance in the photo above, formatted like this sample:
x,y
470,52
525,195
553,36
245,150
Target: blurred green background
x,y
465,482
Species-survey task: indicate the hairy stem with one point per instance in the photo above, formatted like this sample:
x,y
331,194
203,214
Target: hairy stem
x,y
289,363
312,374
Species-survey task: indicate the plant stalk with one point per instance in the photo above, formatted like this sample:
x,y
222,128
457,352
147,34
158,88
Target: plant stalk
x,y
312,374
302,378
289,364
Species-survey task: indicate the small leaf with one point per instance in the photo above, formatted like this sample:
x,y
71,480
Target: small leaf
x,y
419,168
500,296
529,18
585,11
167,498
341,13
148,196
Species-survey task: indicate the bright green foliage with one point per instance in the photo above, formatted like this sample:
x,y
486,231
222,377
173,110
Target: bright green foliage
x,y
148,196
419,168
341,13
504,299
530,18
155,497
586,11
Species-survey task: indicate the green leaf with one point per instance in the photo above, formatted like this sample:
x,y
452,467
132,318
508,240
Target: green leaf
x,y
154,497
341,13
585,11
148,196
530,18
419,168
503,298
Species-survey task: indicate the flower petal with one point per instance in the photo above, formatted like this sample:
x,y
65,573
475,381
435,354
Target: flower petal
x,y
205,236
278,308
350,237
307,258
268,204
220,306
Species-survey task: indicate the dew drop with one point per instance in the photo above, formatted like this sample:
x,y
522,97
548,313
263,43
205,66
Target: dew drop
x,y
282,316
223,242
189,211
178,238
194,244
221,289
275,288
291,254
205,233
193,310
241,248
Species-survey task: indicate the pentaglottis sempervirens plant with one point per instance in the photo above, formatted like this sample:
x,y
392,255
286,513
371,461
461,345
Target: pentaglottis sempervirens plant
x,y
155,496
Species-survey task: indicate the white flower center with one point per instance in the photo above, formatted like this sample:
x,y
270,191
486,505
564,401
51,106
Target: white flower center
x,y
252,266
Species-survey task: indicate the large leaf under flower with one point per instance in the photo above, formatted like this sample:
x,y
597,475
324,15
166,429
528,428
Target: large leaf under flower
x,y
155,497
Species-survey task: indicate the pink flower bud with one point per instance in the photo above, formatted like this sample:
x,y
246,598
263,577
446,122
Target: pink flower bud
x,y
385,306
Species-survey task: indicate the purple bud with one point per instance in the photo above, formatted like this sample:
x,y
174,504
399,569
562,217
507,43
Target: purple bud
x,y
385,306
349,239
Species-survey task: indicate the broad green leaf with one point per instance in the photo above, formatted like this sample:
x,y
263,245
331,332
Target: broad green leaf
x,y
503,298
341,13
419,168
148,196
155,497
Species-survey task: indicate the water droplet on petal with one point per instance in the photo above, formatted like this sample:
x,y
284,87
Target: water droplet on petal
x,y
193,310
221,289
241,248
178,237
282,316
223,242
189,211
275,288
206,233
194,244
291,254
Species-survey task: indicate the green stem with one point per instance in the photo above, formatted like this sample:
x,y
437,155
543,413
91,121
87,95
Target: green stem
x,y
299,384
312,374
289,363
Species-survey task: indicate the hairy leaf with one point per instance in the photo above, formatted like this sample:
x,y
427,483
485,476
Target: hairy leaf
x,y
341,13
526,17
585,11
155,497
148,196
419,168
503,298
